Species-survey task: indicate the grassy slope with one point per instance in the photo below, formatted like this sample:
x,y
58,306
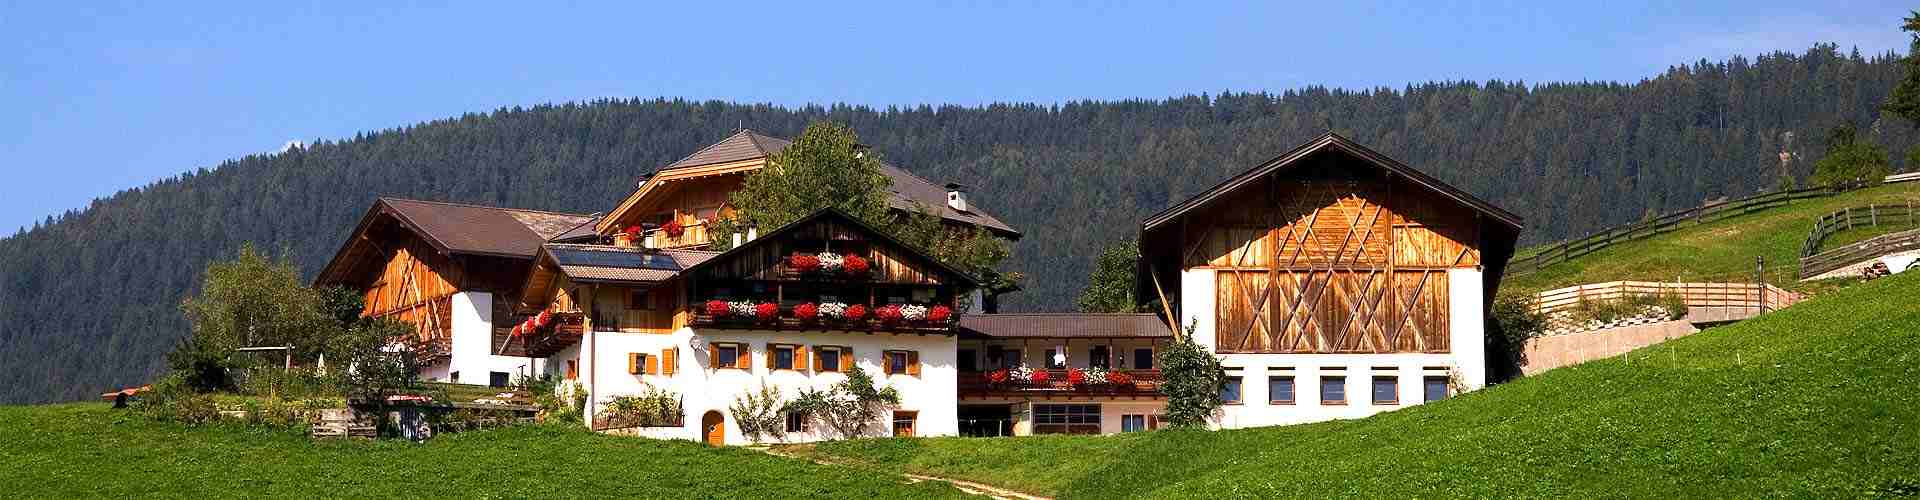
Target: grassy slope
x,y
1816,399
1722,250
88,450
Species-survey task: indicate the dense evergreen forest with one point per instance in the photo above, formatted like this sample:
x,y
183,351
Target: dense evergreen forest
x,y
91,298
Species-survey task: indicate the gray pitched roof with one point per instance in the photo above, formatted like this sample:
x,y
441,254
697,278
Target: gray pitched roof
x,y
907,189
605,263
474,229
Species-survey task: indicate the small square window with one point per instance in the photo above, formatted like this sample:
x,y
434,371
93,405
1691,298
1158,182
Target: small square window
x,y
783,357
1054,360
1280,390
1386,390
796,422
1333,390
1143,358
1230,392
1436,388
1099,357
729,355
1133,423
639,300
903,423
829,360
897,362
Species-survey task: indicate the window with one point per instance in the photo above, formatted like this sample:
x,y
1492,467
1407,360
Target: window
x,y
1143,358
638,300
1066,419
573,369
968,363
1054,360
783,357
499,379
1012,360
796,422
1333,390
1133,423
453,377
903,423
730,355
829,359
1386,390
1099,357
1436,388
1280,390
1230,392
637,363
902,363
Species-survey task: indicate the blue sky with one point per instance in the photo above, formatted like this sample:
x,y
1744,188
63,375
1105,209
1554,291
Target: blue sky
x,y
99,97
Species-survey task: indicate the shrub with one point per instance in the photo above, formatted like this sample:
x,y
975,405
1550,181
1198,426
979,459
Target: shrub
x,y
1674,304
559,400
757,413
1193,378
850,407
652,408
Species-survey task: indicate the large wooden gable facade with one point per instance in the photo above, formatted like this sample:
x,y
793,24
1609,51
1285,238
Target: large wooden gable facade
x,y
1331,248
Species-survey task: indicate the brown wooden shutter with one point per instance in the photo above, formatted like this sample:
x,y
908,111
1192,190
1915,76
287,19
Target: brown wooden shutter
x,y
913,363
713,356
745,361
846,359
633,362
816,358
770,348
669,359
653,365
886,362
799,357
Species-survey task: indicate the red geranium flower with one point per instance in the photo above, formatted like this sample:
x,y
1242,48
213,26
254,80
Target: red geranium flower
x,y
939,314
1040,376
854,265
856,311
998,376
805,263
766,311
1076,377
717,308
1119,378
806,311
888,313
674,229
633,231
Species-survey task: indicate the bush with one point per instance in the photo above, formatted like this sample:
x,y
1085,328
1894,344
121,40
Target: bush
x,y
1675,305
757,413
559,400
1193,378
652,408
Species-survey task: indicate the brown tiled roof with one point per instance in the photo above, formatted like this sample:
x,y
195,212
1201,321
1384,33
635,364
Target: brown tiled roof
x,y
474,229
907,187
1063,325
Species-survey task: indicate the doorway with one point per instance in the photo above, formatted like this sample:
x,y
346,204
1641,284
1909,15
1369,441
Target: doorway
x,y
714,428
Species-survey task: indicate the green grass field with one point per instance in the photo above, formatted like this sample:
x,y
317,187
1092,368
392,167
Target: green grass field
x,y
90,451
1718,251
1815,400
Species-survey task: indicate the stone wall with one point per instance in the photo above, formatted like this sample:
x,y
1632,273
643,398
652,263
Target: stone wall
x,y
1546,353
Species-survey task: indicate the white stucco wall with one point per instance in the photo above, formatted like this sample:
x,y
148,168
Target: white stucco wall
x,y
931,393
1466,361
472,346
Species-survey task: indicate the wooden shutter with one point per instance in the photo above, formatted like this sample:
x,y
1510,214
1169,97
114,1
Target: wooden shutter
x,y
713,356
816,358
653,364
913,363
745,359
886,362
846,359
633,363
800,357
770,348
669,359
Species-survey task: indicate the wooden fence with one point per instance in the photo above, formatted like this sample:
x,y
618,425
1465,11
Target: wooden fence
x,y
1824,262
1565,250
1748,296
1852,217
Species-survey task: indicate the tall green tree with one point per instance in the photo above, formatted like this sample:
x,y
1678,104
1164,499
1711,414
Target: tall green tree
x,y
826,166
1110,288
1904,101
1850,159
1191,378
256,300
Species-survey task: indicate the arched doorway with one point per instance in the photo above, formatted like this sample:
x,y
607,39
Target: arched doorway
x,y
714,428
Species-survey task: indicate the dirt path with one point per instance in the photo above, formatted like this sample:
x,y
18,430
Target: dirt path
x,y
969,487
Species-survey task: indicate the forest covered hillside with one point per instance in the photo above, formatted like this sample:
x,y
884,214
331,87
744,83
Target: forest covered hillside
x,y
91,298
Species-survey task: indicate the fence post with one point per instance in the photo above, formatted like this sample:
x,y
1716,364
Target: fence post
x,y
1760,280
1873,214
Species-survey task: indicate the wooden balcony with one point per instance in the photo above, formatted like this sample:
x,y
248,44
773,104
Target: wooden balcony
x,y
786,322
1145,385
695,235
430,351
566,330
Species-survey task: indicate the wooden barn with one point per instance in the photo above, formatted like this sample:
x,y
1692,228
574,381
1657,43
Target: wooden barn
x,y
1331,267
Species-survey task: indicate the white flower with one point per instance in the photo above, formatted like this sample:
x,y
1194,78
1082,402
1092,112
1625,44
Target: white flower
x,y
830,262
1023,374
1095,375
742,309
913,313
833,309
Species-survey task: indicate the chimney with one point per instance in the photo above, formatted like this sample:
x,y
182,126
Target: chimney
x,y
957,196
752,232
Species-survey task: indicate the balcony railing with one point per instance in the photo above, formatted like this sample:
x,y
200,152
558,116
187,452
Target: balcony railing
x,y
786,321
566,330
1144,384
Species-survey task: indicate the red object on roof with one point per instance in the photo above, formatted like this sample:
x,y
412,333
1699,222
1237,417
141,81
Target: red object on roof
x,y
129,392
